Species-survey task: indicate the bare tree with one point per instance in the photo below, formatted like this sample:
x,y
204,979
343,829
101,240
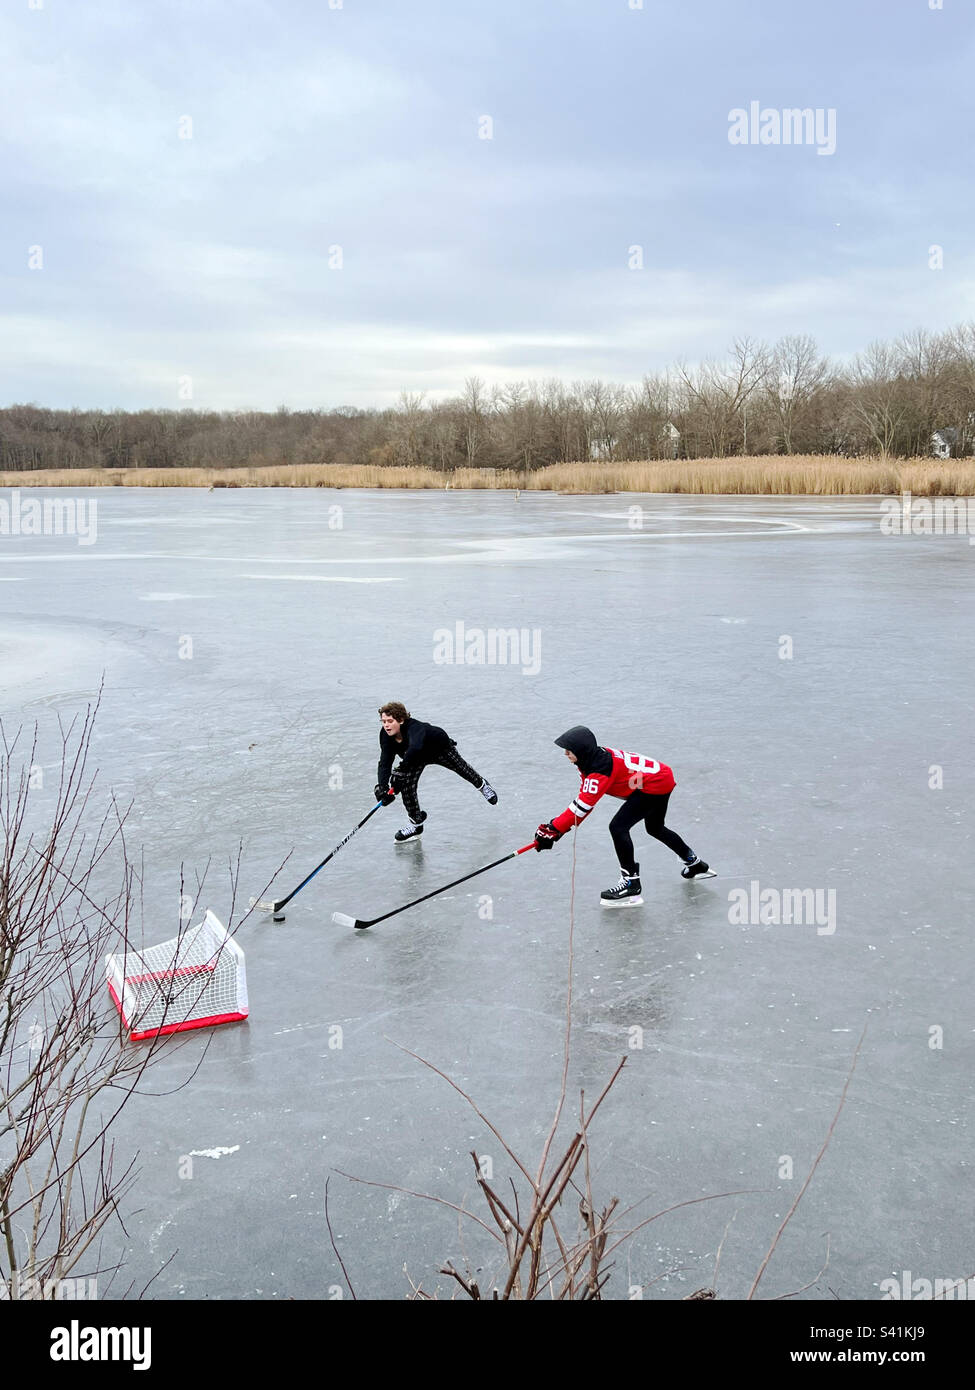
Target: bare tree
x,y
444,434
66,1066
649,431
565,420
797,375
877,398
924,362
718,396
961,386
603,408
408,427
474,405
522,427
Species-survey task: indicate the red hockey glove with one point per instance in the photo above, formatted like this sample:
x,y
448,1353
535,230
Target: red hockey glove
x,y
546,835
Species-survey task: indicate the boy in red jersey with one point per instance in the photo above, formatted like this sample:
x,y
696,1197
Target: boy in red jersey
x,y
643,785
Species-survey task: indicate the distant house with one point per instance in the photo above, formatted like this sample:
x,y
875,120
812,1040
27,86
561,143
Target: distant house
x,y
943,442
602,448
606,447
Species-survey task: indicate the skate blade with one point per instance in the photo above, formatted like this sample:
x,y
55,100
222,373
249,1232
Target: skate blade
x,y
622,902
694,878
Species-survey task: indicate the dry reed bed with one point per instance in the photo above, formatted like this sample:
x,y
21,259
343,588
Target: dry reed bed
x,y
809,475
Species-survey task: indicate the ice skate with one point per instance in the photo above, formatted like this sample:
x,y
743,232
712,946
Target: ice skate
x,y
696,868
411,829
626,893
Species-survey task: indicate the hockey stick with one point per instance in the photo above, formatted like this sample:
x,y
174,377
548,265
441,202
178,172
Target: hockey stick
x,y
344,920
275,907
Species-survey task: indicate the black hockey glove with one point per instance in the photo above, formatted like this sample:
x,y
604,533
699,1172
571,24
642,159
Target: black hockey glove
x,y
396,780
546,835
384,797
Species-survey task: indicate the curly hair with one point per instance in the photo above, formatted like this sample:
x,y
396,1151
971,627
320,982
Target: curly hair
x,y
396,709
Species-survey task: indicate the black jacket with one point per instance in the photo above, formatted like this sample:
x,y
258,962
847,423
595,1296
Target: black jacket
x,y
421,744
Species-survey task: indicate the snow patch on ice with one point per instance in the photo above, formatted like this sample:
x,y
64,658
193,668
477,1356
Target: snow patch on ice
x,y
327,578
212,1153
158,1232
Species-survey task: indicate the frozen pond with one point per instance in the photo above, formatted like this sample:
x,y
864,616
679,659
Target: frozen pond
x,y
803,673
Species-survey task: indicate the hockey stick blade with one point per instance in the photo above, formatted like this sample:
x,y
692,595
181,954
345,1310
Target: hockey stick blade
x,y
266,906
342,919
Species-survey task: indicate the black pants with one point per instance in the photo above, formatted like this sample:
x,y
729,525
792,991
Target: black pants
x,y
448,758
651,809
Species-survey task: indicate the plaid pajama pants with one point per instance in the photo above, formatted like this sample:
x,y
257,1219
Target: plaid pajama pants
x,y
449,758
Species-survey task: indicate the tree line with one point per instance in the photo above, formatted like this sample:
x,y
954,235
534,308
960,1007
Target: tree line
x,y
785,398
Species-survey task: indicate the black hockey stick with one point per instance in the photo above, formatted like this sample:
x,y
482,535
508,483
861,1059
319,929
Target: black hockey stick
x,y
275,907
344,920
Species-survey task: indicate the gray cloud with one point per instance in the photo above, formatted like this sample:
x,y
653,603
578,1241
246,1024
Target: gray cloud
x,y
358,127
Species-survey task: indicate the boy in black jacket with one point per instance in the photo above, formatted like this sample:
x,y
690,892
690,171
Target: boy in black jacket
x,y
417,745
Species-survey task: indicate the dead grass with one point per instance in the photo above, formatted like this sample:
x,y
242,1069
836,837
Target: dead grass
x,y
811,475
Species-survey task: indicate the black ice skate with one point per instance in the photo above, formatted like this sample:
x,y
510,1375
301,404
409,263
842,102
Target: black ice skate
x,y
411,829
626,893
696,868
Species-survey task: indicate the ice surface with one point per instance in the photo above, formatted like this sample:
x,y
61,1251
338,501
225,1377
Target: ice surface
x,y
239,707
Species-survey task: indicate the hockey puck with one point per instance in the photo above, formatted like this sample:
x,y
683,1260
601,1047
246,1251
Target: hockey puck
x,y
278,917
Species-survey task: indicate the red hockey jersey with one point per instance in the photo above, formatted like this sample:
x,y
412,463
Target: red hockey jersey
x,y
632,772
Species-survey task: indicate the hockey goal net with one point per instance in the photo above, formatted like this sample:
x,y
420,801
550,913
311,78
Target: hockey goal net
x,y
194,981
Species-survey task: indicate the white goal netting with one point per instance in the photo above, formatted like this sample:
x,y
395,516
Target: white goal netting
x,y
194,981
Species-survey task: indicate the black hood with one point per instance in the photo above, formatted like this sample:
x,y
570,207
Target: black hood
x,y
589,756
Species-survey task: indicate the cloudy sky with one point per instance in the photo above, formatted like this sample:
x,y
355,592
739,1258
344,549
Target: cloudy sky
x,y
292,202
